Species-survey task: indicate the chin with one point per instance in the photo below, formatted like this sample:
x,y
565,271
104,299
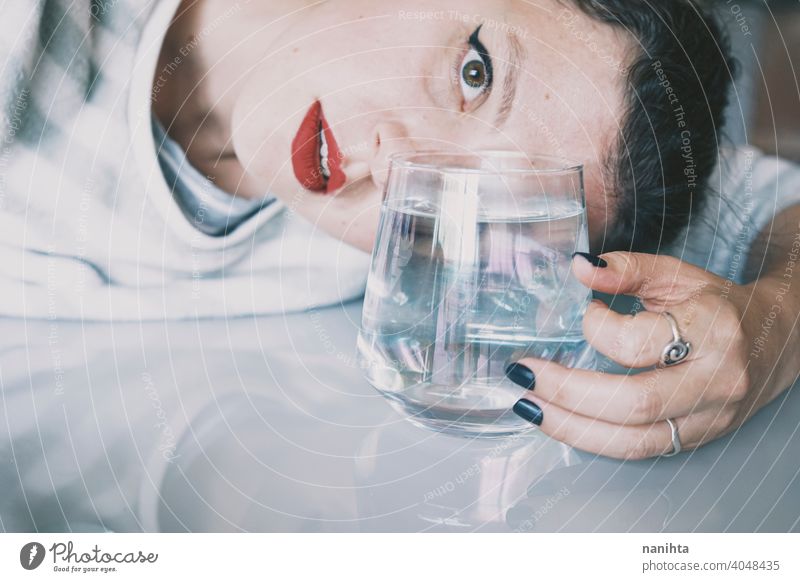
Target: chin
x,y
352,214
364,244
356,233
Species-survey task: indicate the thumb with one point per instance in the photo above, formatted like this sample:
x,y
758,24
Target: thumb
x,y
640,274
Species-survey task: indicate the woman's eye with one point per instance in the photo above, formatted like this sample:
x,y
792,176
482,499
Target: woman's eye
x,y
474,76
475,73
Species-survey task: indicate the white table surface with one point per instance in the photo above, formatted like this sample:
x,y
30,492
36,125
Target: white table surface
x,y
267,425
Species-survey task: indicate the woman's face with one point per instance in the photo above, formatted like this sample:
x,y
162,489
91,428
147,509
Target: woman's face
x,y
349,83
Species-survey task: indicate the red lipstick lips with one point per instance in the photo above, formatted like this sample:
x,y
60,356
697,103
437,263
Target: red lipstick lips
x,y
316,157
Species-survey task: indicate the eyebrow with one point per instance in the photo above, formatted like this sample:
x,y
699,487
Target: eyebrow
x,y
516,53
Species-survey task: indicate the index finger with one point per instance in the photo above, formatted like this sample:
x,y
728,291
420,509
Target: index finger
x,y
644,275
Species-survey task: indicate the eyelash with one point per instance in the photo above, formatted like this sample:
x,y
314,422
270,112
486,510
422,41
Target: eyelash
x,y
475,44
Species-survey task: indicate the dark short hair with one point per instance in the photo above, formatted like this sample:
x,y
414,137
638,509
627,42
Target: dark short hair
x,y
678,82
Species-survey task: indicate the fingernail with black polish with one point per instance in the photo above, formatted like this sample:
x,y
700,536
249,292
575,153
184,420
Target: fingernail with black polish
x,y
593,259
529,411
521,375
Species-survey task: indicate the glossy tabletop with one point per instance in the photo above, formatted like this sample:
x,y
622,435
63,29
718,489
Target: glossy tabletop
x,y
267,425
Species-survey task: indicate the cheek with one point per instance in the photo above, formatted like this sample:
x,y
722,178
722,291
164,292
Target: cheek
x,y
258,134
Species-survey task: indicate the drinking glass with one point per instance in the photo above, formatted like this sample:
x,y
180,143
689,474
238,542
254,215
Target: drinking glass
x,y
470,272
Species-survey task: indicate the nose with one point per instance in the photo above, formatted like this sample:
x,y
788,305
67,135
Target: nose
x,y
389,137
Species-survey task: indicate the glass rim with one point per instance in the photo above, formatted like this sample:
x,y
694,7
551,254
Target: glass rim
x,y
404,160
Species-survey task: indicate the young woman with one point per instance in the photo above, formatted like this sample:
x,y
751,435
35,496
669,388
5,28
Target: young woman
x,y
258,106
311,98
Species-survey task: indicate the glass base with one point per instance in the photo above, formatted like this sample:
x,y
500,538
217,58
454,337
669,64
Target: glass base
x,y
497,423
467,397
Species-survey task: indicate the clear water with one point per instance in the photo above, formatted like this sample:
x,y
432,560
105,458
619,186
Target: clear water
x,y
448,306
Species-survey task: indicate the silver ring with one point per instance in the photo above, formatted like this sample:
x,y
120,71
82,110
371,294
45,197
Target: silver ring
x,y
676,439
676,350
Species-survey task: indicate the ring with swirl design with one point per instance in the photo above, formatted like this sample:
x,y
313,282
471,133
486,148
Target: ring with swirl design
x,y
678,349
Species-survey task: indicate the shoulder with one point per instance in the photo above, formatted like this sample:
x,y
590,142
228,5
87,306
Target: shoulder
x,y
747,189
746,167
